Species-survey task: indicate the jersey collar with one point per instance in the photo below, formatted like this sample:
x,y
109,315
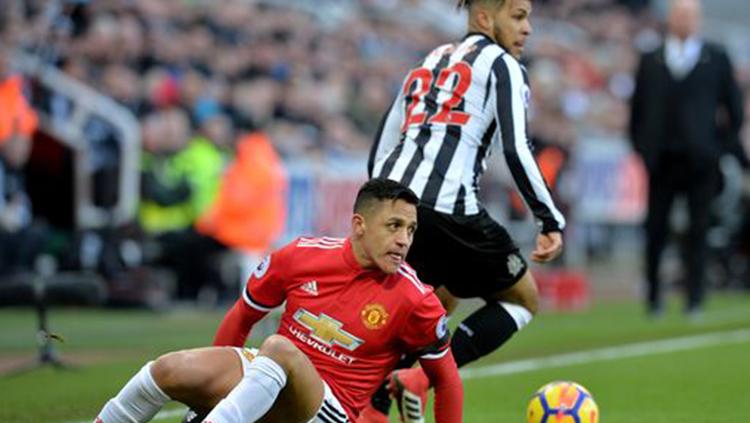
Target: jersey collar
x,y
481,34
349,256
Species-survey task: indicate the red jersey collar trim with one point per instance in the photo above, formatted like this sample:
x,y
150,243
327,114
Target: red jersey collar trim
x,y
349,256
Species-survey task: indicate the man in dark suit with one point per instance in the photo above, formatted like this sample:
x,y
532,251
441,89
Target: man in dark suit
x,y
686,112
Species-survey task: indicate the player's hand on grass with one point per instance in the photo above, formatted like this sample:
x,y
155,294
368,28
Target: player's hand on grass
x,y
548,247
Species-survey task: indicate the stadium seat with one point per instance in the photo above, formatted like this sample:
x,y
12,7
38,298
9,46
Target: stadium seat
x,y
561,289
29,289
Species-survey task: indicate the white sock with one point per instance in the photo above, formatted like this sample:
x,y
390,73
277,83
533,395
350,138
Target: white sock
x,y
253,396
520,314
138,401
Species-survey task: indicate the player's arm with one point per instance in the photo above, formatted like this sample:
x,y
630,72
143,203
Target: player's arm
x,y
443,374
263,292
512,95
733,103
236,325
427,333
636,107
388,134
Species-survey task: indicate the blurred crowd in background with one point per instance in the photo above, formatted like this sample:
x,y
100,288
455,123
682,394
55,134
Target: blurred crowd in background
x,y
244,90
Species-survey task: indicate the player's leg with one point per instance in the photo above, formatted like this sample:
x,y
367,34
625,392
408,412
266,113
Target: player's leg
x,y
494,270
505,313
662,191
477,258
198,378
448,300
279,385
701,190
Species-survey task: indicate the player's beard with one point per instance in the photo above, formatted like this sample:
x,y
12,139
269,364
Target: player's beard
x,y
507,45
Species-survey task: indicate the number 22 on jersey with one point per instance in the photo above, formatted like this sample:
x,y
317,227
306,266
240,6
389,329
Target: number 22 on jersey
x,y
420,82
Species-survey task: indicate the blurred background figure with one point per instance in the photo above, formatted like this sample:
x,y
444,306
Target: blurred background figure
x,y
21,238
180,180
180,87
250,208
687,112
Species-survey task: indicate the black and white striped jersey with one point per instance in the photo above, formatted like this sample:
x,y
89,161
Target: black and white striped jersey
x,y
463,99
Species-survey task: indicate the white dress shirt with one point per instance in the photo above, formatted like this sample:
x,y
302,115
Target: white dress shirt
x,y
682,55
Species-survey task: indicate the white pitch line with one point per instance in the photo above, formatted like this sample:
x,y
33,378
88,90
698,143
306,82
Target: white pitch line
x,y
611,353
639,349
165,414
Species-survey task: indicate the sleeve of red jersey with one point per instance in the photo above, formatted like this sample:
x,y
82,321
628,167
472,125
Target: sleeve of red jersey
x,y
449,391
426,330
426,334
266,286
264,291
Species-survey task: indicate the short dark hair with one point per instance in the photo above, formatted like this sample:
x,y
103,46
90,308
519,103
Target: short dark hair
x,y
466,4
380,189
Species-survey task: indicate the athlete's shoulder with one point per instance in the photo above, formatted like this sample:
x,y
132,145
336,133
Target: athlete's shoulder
x,y
320,243
441,51
504,60
312,247
412,286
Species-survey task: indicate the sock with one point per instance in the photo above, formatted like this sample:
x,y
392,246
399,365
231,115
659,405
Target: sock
x,y
138,401
487,329
253,396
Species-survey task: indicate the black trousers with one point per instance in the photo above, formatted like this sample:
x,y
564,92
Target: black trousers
x,y
191,255
19,249
676,175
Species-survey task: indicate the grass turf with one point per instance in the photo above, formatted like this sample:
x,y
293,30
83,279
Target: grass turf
x,y
702,385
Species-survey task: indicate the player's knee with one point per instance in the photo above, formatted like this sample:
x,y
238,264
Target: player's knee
x,y
531,302
176,371
282,351
523,294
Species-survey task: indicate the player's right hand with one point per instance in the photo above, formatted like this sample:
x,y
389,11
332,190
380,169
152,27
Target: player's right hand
x,y
548,247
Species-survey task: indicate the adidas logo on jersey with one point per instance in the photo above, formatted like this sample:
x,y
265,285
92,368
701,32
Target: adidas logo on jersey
x,y
310,287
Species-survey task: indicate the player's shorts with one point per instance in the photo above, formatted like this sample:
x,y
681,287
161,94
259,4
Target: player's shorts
x,y
330,410
472,256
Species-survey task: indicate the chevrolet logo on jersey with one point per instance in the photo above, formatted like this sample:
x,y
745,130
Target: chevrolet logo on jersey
x,y
327,330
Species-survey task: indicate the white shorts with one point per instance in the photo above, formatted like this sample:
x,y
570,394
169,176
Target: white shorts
x,y
330,410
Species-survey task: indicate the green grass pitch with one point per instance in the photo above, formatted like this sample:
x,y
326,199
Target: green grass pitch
x,y
671,370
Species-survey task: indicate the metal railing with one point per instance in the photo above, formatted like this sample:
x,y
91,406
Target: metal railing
x,y
87,103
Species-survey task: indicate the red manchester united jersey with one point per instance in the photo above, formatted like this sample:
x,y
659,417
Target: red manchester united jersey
x,y
353,323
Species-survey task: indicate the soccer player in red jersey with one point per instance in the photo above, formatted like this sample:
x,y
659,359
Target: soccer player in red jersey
x,y
352,307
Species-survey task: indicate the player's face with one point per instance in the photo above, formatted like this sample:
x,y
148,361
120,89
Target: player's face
x,y
511,25
684,18
388,234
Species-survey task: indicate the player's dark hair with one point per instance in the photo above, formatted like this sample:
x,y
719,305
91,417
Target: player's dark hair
x,y
380,189
466,4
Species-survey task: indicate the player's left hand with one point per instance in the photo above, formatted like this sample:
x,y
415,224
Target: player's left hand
x,y
548,247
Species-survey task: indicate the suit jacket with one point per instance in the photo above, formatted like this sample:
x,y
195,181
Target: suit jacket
x,y
698,117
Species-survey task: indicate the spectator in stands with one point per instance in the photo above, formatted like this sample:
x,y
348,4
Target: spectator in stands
x,y
685,97
21,239
180,179
249,212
